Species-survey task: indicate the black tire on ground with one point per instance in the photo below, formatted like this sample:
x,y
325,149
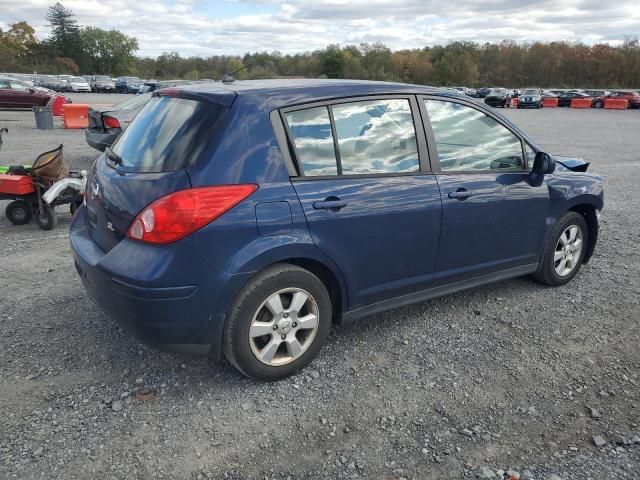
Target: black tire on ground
x,y
236,341
18,212
546,273
46,219
598,104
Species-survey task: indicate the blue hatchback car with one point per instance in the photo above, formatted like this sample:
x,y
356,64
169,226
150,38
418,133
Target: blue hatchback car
x,y
242,219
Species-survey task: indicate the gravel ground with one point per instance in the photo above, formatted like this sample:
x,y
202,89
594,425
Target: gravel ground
x,y
511,376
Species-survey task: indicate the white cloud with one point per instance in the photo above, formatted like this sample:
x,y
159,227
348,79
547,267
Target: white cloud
x,y
191,28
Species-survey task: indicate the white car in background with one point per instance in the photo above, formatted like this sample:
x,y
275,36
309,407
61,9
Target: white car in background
x,y
79,84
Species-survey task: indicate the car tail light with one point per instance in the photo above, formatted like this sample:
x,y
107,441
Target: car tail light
x,y
110,122
181,213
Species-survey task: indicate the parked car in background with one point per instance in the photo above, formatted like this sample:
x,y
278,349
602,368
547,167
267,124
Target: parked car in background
x,y
564,99
498,97
65,78
52,83
201,234
102,84
29,85
483,92
630,96
79,84
106,123
471,92
15,94
128,84
531,98
598,97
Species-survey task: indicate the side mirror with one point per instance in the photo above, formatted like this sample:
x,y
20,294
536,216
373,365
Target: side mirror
x,y
543,164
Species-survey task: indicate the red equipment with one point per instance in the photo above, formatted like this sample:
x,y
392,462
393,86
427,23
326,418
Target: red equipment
x,y
16,185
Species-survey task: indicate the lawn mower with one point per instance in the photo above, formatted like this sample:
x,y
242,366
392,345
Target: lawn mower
x,y
37,189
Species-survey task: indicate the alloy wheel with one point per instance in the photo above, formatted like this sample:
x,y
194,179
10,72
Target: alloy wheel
x,y
284,326
568,250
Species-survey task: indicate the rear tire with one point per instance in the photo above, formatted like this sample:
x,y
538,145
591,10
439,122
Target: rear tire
x,y
564,252
18,212
278,323
46,218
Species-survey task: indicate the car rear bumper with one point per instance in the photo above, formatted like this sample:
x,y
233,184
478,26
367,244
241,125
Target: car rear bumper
x,y
100,140
170,316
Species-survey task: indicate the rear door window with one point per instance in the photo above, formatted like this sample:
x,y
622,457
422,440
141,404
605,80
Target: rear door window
x,y
311,132
376,137
168,134
352,138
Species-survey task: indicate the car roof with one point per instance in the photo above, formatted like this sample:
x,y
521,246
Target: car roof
x,y
283,92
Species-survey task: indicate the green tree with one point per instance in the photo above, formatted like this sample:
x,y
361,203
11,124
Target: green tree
x,y
65,32
108,51
332,62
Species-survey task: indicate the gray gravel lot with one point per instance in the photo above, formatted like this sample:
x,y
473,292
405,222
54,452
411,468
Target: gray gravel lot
x,y
508,376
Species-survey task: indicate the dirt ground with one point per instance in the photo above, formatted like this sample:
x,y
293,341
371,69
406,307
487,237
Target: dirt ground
x,y
508,376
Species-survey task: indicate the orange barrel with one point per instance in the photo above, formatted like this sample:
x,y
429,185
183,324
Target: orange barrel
x,y
550,102
616,104
75,115
56,104
580,103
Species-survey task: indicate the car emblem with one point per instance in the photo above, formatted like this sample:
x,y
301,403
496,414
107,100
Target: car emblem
x,y
110,226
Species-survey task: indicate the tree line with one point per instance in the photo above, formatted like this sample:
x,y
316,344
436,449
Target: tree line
x,y
71,48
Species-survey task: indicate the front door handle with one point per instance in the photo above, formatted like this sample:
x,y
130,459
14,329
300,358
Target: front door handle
x,y
333,205
460,194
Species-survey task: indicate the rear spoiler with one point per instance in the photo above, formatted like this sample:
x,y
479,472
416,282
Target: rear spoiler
x,y
218,96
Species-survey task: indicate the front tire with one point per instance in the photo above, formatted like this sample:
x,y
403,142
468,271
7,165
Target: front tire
x,y
564,252
278,323
46,218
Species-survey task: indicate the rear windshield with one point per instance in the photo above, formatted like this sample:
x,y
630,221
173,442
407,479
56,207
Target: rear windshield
x,y
168,134
102,78
531,92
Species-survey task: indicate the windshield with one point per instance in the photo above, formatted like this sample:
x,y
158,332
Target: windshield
x,y
131,79
102,78
498,91
78,79
531,91
168,134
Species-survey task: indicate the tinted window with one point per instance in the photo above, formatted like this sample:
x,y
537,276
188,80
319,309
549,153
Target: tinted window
x,y
376,137
468,139
168,134
311,130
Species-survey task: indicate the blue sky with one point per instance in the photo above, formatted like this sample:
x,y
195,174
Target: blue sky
x,y
214,27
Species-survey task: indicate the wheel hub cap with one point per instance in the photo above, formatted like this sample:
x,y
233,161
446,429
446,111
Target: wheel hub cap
x,y
284,326
568,250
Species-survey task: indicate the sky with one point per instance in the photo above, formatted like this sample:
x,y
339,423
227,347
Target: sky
x,y
216,27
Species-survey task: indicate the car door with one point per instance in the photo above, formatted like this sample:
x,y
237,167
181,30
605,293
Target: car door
x,y
22,95
6,99
371,203
494,212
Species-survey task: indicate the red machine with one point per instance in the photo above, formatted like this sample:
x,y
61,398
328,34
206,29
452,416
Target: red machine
x,y
27,188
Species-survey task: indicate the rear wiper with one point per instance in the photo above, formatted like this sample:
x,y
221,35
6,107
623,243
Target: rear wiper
x,y
114,157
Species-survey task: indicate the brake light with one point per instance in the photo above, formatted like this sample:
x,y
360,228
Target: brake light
x,y
181,213
110,122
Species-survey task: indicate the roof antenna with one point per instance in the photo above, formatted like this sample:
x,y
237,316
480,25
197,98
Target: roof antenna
x,y
228,77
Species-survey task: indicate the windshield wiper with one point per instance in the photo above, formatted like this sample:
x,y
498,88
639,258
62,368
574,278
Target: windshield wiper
x,y
114,157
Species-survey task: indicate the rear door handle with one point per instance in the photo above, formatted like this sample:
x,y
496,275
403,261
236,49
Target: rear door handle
x,y
330,205
460,194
